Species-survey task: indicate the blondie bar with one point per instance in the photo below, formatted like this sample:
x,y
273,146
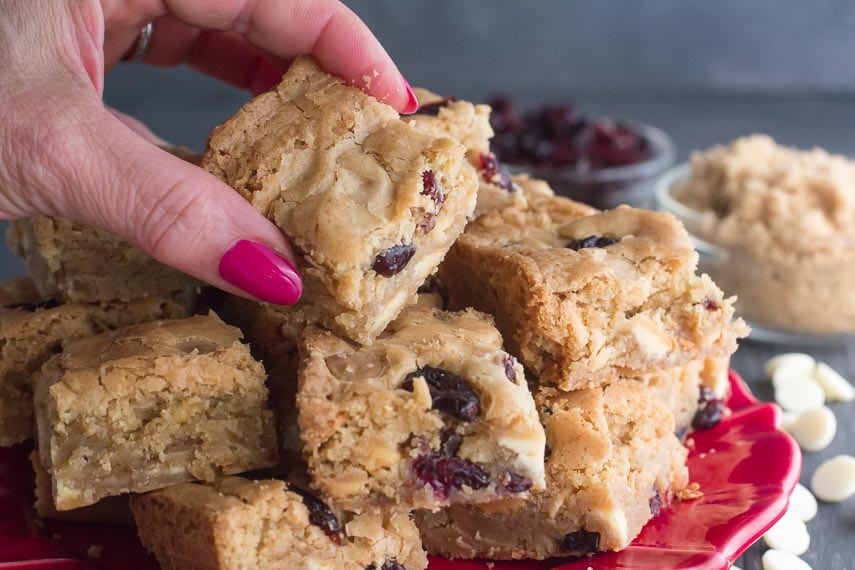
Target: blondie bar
x,y
585,297
80,263
151,405
370,203
111,510
32,330
433,413
613,463
238,524
469,125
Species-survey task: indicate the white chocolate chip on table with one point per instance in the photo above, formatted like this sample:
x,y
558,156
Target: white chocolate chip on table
x,y
834,480
791,360
813,429
780,560
798,397
788,534
835,386
802,503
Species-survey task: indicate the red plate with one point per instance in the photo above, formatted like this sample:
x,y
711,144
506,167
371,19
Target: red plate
x,y
746,467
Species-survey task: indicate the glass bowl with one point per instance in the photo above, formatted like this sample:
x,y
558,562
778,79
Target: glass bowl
x,y
783,305
607,188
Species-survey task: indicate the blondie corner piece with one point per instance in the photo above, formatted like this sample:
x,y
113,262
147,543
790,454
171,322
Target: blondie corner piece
x,y
33,329
80,263
586,297
370,202
238,524
613,463
151,405
433,413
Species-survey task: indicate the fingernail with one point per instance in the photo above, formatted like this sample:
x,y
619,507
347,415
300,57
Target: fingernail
x,y
412,101
258,270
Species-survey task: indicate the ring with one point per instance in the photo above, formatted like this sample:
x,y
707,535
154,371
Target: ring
x,y
140,49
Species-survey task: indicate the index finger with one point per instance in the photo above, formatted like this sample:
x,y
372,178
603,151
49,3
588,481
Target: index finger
x,y
341,42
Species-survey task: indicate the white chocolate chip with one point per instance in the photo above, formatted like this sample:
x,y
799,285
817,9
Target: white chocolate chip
x,y
792,360
814,429
789,534
785,376
788,419
836,387
802,503
834,480
780,560
798,397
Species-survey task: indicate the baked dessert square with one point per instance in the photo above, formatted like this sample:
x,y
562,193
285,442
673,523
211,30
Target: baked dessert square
x,y
151,405
237,523
33,329
469,124
585,297
370,203
434,412
80,263
111,510
613,463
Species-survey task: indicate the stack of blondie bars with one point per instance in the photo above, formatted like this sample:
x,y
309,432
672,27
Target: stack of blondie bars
x,y
477,368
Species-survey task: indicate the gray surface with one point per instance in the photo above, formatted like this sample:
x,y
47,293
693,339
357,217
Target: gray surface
x,y
772,45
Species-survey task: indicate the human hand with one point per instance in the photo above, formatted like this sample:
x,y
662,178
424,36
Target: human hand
x,y
62,152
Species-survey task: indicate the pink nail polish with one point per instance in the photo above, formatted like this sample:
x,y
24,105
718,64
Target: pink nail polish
x,y
258,270
412,102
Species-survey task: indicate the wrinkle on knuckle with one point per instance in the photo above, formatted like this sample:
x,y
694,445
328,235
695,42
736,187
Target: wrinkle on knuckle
x,y
176,218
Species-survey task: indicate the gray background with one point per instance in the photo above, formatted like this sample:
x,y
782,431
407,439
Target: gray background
x,y
705,71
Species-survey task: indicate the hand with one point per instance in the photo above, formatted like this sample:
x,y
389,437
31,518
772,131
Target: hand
x,y
63,153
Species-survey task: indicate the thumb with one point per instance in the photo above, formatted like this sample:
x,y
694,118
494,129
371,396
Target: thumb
x,y
175,212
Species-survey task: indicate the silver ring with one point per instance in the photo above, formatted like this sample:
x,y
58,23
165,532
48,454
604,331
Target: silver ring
x,y
143,42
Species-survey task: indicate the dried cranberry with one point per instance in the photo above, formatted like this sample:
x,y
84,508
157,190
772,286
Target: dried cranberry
x,y
509,363
450,393
391,261
592,241
50,303
390,564
711,305
655,503
431,187
515,483
612,144
321,515
581,542
503,116
493,172
709,415
449,443
558,136
446,473
432,109
710,409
